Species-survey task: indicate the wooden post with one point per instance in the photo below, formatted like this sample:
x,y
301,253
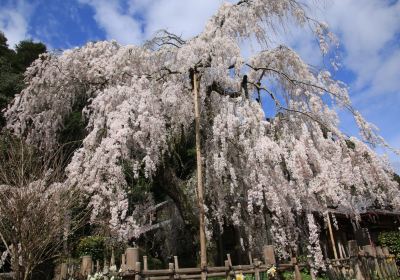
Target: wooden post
x,y
171,271
112,260
145,265
63,271
105,267
176,263
132,257
341,250
372,253
250,259
228,270
200,196
269,255
331,236
297,274
391,262
137,271
256,269
123,262
86,267
354,262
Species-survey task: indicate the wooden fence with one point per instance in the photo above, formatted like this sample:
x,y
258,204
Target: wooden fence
x,y
228,271
366,263
131,269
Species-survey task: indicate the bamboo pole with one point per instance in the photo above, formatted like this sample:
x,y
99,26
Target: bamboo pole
x,y
331,236
203,252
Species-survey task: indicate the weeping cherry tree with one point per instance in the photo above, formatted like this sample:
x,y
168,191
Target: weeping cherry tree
x,y
268,176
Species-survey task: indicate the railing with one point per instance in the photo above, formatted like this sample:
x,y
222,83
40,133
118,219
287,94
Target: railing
x,y
227,271
132,269
364,263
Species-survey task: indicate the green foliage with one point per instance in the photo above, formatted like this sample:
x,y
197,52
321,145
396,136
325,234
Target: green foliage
x,y
397,178
155,263
391,239
92,246
288,275
26,52
350,144
12,67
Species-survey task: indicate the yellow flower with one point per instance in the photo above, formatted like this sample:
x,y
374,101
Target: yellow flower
x,y
271,271
239,276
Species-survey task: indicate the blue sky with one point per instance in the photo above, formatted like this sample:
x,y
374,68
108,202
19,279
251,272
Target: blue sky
x,y
368,31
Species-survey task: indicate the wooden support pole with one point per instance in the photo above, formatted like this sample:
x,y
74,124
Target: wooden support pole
x,y
331,236
200,192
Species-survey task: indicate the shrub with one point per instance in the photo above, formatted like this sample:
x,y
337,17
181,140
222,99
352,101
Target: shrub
x,y
391,239
92,246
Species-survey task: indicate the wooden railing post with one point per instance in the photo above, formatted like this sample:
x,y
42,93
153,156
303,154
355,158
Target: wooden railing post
x,y
382,262
145,265
137,270
105,267
269,255
256,265
171,271
132,257
86,267
63,271
391,261
297,274
123,263
228,270
372,254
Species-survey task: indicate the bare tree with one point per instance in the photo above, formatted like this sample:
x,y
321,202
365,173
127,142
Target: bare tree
x,y
34,206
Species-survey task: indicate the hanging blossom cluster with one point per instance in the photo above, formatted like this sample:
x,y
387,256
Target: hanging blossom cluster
x,y
314,248
260,174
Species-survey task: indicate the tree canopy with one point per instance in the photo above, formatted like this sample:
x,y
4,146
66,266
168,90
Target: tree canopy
x,y
13,64
267,176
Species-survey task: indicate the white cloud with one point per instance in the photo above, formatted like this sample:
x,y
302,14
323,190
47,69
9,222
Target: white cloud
x,y
368,30
142,18
115,21
13,21
186,18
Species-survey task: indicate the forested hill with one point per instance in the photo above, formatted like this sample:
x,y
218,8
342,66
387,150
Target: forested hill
x,y
13,63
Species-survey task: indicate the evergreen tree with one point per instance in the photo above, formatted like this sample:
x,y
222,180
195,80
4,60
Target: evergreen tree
x,y
12,67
